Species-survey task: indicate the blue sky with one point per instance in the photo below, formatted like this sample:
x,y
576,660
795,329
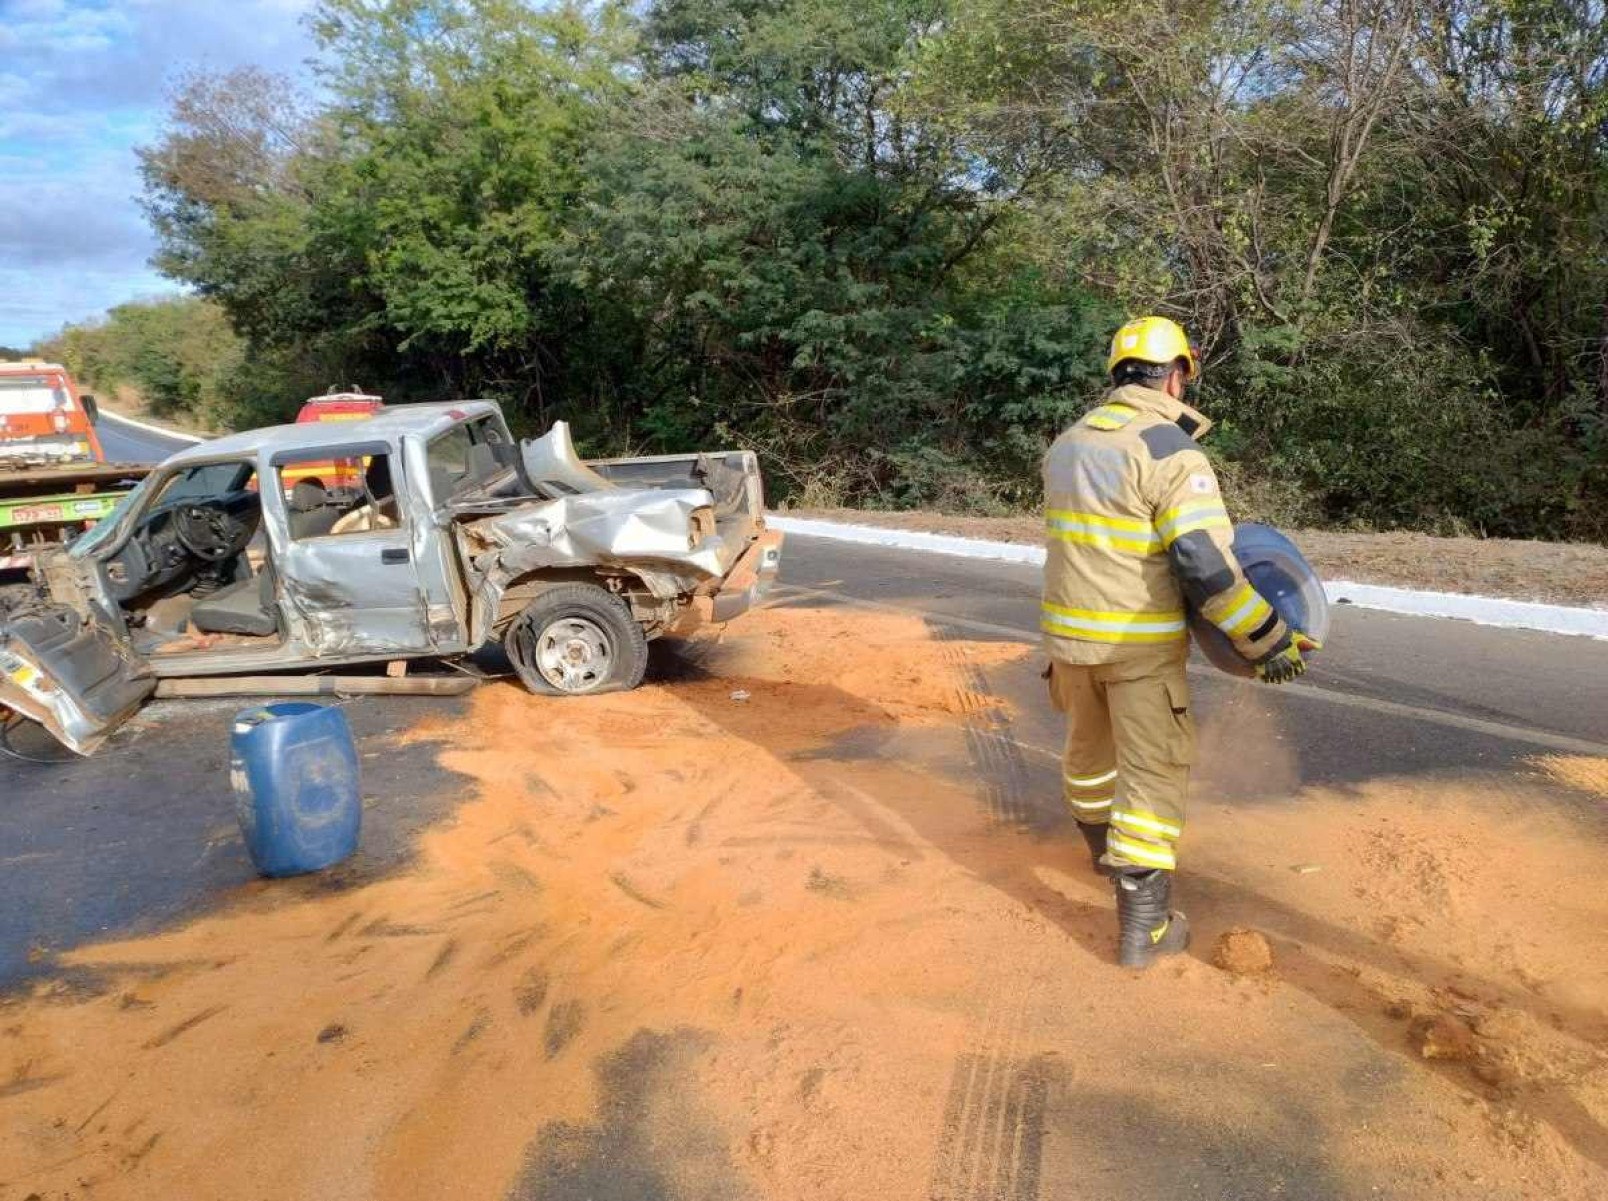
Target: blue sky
x,y
82,82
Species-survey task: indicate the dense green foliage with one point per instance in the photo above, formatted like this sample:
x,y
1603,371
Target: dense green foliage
x,y
179,355
884,242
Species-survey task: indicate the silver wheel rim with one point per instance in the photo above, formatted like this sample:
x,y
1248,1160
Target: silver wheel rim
x,y
574,654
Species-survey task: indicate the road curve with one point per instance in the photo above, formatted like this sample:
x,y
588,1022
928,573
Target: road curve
x,y
1426,678
125,442
1422,674
1440,720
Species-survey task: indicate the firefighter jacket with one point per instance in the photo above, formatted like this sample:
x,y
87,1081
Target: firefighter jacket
x,y
1135,527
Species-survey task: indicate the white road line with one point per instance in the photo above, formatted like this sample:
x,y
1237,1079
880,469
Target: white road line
x,y
1483,610
1439,717
1456,721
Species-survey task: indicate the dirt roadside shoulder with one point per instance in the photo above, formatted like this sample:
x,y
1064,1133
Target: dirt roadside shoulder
x,y
1553,572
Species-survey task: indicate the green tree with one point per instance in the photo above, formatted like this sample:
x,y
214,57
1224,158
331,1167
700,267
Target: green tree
x,y
179,354
398,233
884,242
803,259
1377,215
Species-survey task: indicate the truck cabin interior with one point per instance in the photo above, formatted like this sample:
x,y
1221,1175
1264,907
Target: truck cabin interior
x,y
197,571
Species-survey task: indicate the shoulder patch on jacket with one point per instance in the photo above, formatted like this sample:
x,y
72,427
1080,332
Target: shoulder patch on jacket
x,y
1165,440
1112,416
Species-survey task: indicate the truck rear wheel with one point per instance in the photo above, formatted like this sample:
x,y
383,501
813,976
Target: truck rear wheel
x,y
576,640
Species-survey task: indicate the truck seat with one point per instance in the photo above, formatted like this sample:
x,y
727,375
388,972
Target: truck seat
x,y
310,512
244,607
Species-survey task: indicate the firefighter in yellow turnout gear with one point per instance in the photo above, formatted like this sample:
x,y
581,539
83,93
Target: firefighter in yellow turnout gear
x,y
1134,525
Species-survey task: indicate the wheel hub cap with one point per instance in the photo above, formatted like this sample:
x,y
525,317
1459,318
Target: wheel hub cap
x,y
573,654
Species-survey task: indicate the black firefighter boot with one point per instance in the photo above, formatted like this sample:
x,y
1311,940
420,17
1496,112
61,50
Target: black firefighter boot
x,y
1095,836
1148,927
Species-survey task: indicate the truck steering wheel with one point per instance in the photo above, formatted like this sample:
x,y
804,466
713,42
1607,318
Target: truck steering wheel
x,y
209,532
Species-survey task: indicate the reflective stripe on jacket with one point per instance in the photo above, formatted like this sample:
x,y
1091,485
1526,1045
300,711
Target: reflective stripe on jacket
x,y
1135,525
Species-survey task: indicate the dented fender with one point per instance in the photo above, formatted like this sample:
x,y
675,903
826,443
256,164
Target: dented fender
x,y
619,527
650,534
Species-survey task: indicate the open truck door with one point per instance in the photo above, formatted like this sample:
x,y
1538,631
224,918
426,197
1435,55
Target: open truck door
x,y
69,674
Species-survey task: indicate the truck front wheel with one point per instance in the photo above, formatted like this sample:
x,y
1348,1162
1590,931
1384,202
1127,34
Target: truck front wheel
x,y
576,639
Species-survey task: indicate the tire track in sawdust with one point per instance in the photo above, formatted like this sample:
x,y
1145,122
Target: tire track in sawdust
x,y
994,754
991,1135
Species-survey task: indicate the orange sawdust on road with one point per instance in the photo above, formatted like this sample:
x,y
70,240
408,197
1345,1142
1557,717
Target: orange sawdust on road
x,y
765,947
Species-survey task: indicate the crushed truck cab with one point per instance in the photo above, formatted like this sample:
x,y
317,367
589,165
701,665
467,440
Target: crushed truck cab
x,y
457,538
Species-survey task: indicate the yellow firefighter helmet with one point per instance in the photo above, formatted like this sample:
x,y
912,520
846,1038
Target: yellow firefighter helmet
x,y
1158,340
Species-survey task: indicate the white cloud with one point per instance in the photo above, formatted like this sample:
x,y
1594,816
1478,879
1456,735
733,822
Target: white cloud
x,y
61,130
83,83
41,302
70,225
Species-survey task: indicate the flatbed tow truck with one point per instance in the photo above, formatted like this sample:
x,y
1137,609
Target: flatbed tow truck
x,y
55,481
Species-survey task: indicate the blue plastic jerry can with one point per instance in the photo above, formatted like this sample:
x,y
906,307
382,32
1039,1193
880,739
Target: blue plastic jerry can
x,y
293,769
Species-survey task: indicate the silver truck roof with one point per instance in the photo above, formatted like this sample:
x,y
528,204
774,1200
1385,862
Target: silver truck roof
x,y
396,421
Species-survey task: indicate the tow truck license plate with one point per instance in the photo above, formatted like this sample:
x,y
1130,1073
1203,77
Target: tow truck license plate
x,y
38,513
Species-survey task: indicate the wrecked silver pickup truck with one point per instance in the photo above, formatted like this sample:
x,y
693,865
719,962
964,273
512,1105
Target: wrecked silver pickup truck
x,y
217,567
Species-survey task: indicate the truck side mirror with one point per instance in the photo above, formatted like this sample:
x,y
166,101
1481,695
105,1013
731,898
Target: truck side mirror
x,y
91,409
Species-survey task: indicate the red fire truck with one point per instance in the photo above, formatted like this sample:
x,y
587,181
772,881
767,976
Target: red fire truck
x,y
337,478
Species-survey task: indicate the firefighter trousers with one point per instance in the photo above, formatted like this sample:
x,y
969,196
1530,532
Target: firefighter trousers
x,y
1130,741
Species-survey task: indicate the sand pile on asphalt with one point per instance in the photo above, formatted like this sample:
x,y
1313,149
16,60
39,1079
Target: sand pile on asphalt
x,y
1242,952
1587,773
677,944
1440,1036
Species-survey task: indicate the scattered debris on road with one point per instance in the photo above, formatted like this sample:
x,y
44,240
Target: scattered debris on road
x,y
1581,772
1241,952
1441,1036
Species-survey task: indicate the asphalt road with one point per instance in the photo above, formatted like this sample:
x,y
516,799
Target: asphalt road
x,y
125,443
1429,677
1507,688
1391,694
142,833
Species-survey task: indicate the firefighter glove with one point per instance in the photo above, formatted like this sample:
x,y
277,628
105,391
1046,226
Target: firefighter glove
x,y
1287,660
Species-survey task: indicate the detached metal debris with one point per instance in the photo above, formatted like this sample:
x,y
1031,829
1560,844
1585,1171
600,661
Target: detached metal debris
x,y
222,565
